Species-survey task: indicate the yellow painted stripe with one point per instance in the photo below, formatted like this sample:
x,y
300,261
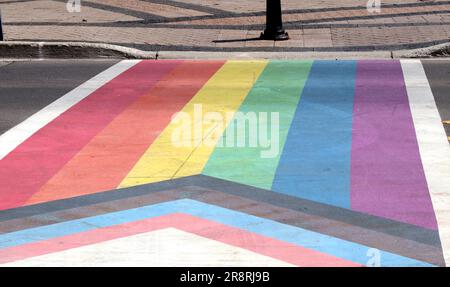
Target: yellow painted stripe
x,y
223,93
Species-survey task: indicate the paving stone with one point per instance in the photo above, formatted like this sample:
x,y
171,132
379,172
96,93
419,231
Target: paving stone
x,y
213,24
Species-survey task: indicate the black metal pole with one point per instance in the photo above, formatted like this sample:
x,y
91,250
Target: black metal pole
x,y
274,22
1,26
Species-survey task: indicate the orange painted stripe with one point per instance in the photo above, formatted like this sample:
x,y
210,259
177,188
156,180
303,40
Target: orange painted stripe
x,y
107,159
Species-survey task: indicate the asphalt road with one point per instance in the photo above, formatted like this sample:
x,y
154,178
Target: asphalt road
x,y
438,73
28,86
363,165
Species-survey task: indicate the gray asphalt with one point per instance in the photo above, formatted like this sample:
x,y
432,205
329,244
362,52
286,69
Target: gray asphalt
x,y
28,86
438,73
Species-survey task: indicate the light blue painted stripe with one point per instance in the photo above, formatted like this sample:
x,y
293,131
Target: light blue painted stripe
x,y
315,163
298,236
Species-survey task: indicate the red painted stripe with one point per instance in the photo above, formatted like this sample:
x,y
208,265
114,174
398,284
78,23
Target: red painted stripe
x,y
25,170
273,248
108,158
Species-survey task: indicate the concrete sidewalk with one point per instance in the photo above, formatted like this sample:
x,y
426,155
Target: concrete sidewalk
x,y
214,25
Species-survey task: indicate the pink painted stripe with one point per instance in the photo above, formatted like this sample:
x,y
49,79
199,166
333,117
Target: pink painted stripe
x,y
387,177
26,169
286,252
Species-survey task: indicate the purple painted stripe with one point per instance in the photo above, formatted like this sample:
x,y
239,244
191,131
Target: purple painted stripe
x,y
387,177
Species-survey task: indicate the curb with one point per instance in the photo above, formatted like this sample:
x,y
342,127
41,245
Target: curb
x,y
64,50
437,51
273,55
80,50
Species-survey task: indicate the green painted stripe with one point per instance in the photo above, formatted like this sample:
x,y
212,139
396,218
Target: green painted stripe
x,y
277,90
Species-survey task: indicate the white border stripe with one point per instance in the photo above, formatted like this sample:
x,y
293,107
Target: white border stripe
x,y
433,145
18,134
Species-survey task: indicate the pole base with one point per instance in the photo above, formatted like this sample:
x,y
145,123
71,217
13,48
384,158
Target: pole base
x,y
275,36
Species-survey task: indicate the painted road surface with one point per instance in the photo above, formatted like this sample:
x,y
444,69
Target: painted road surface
x,y
224,163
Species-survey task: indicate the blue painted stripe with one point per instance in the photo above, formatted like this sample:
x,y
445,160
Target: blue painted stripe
x,y
315,163
298,236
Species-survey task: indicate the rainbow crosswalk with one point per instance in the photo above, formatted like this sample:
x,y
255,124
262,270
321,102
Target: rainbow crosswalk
x,y
362,137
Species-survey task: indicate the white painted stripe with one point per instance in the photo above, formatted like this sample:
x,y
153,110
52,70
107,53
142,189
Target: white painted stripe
x,y
161,248
18,134
433,145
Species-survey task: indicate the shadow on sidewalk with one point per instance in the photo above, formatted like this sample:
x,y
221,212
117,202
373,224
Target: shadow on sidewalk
x,y
239,40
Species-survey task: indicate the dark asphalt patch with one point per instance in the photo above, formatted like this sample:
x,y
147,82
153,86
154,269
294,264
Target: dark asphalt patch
x,y
27,87
438,73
